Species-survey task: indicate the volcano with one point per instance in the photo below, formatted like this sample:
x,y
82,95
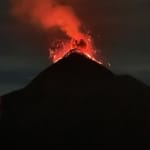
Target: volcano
x,y
78,101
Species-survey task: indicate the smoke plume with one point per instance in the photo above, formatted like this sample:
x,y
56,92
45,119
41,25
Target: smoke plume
x,y
48,14
51,13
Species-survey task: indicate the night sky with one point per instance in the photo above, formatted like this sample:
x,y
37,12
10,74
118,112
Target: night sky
x,y
121,29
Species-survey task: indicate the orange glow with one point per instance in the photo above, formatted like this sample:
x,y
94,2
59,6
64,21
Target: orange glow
x,y
50,13
84,46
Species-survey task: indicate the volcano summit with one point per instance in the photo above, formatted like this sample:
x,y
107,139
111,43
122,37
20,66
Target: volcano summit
x,y
78,101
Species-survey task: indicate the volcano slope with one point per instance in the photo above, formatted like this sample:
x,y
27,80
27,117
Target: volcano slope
x,y
78,101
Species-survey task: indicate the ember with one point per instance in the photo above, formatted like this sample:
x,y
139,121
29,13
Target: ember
x,y
59,49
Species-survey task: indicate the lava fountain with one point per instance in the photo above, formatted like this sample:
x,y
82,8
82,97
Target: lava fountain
x,y
51,13
83,45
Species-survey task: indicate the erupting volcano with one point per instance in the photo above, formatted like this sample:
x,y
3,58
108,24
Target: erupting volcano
x,y
75,101
51,13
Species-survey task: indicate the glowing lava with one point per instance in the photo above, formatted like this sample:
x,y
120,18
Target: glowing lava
x,y
83,45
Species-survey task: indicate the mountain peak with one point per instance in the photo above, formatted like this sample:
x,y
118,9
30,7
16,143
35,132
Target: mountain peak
x,y
75,68
77,54
76,61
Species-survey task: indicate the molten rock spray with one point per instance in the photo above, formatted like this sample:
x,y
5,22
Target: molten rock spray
x,y
49,14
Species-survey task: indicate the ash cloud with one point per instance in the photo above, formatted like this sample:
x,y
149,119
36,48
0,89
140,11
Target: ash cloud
x,y
48,14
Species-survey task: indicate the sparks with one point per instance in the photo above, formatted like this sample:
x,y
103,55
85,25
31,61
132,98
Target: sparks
x,y
84,45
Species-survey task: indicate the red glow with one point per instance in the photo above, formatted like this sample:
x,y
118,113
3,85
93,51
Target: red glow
x,y
84,45
49,14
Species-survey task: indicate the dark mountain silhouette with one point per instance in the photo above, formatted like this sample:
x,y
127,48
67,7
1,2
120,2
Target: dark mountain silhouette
x,y
78,101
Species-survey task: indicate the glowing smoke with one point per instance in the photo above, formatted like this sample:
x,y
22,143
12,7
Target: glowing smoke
x,y
49,14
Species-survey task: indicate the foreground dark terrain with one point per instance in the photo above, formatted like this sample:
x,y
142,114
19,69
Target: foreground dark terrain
x,y
77,101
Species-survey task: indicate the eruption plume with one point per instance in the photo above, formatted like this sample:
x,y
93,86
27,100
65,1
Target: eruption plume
x,y
50,13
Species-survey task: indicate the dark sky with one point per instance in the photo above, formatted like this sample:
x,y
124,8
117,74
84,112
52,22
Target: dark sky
x,y
121,29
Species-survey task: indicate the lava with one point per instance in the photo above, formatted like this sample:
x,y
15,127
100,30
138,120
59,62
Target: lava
x,y
48,14
60,48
